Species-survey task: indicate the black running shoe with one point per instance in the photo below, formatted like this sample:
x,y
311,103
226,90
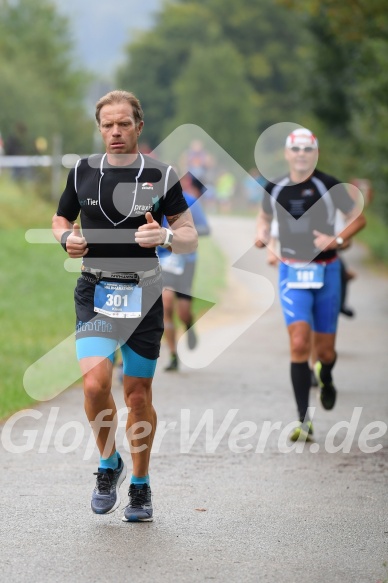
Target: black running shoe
x,y
139,508
173,364
191,338
347,311
106,496
328,392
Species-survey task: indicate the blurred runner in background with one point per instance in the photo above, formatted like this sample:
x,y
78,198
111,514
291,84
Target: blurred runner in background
x,y
178,275
304,203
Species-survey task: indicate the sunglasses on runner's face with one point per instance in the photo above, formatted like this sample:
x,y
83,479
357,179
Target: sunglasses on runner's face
x,y
307,149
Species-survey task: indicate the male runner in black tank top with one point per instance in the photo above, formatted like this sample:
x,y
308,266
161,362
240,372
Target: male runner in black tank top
x,y
121,198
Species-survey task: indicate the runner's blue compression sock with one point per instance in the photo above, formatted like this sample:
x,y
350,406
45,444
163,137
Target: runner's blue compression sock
x,y
139,481
110,463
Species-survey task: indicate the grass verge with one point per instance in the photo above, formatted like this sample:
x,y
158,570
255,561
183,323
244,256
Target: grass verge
x,y
210,276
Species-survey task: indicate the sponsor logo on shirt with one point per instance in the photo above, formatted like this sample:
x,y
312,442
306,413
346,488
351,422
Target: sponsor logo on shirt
x,y
147,186
140,209
88,201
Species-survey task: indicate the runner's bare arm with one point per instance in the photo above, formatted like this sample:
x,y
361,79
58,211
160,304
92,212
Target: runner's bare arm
x,y
76,245
60,225
354,222
185,235
263,227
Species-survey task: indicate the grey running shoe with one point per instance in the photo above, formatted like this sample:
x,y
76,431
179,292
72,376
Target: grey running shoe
x,y
328,392
173,364
139,508
106,496
191,338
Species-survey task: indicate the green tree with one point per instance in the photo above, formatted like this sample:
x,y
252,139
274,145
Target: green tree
x,y
268,39
158,57
222,104
348,61
350,20
369,123
40,86
272,42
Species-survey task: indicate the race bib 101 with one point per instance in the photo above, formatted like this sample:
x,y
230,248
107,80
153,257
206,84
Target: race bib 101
x,y
301,276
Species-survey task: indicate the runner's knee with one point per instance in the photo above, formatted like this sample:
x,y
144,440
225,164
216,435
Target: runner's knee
x,y
96,388
184,313
138,396
168,313
300,344
326,354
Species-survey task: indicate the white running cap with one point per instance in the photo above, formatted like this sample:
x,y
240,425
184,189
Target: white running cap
x,y
301,137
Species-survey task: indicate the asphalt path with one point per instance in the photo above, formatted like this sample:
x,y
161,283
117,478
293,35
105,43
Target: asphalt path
x,y
233,501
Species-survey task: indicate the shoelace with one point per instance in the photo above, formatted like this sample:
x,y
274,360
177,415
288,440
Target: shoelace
x,y
103,482
137,496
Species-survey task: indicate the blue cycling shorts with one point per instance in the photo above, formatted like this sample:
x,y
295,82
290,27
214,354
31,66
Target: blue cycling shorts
x,y
134,365
318,307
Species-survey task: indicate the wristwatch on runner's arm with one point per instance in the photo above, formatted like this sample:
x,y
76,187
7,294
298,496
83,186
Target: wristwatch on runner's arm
x,y
339,241
168,240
